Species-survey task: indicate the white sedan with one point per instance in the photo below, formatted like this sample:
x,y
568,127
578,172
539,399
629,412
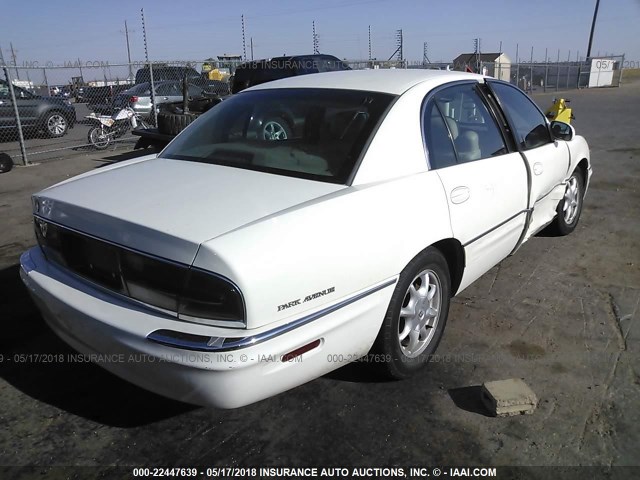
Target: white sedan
x,y
300,225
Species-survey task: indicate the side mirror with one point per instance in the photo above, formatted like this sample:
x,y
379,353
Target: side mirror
x,y
562,131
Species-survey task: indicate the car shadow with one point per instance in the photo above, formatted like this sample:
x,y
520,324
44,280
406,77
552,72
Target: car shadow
x,y
37,363
469,399
358,372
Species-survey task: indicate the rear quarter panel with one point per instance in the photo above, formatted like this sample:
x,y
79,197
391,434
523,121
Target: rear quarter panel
x,y
347,241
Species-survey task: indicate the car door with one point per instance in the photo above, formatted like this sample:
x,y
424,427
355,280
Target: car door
x,y
27,107
485,180
547,159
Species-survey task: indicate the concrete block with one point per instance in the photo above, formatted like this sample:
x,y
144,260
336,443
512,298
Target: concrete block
x,y
505,398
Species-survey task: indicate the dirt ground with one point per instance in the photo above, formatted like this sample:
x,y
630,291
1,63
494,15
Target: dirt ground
x,y
559,314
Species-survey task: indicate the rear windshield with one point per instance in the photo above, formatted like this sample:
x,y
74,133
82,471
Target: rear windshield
x,y
317,134
165,73
141,89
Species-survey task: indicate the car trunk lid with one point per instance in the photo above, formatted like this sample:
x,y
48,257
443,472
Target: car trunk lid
x,y
169,207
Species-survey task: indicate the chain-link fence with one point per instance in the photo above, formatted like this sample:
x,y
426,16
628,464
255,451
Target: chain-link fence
x,y
547,76
45,110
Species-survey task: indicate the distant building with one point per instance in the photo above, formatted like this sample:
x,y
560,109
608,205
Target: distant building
x,y
497,65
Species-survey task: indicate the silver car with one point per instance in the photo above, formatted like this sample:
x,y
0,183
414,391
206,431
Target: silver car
x,y
139,96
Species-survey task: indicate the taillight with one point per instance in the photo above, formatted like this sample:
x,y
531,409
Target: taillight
x,y
133,99
194,295
210,297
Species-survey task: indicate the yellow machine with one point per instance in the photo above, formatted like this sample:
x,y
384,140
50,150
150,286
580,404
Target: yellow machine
x,y
560,111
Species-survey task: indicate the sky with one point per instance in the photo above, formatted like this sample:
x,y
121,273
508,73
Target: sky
x,y
65,31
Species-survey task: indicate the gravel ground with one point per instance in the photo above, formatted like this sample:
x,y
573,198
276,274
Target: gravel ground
x,y
559,314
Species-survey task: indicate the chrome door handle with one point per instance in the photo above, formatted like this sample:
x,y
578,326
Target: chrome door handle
x,y
538,168
460,195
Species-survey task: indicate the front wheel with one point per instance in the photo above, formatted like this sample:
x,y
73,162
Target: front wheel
x,y
570,207
98,138
55,124
416,317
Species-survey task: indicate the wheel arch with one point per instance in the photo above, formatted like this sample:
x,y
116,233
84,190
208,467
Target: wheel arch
x,y
583,166
453,253
45,115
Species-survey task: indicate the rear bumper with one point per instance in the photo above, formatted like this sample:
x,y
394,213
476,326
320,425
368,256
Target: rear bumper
x,y
114,333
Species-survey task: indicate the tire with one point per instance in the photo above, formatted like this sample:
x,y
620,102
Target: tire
x,y
174,123
570,207
55,124
95,138
6,164
421,298
274,129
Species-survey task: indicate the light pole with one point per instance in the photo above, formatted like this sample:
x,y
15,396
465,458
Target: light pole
x,y
593,27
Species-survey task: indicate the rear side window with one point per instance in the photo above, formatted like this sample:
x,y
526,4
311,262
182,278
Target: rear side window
x,y
438,137
529,124
456,118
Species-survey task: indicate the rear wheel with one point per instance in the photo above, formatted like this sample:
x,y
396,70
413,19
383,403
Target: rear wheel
x,y
416,317
98,138
55,124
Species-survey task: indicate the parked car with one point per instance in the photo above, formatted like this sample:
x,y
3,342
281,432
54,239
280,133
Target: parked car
x,y
168,73
52,115
267,70
104,95
235,266
139,96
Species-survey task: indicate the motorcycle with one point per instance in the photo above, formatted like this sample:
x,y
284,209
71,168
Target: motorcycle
x,y
109,127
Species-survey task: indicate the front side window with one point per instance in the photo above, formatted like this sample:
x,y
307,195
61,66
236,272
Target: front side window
x,y
309,133
459,128
529,124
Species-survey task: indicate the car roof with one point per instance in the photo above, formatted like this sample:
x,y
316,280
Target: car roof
x,y
262,61
393,81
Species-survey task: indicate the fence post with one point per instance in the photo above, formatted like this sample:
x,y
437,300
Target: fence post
x,y
546,71
46,81
23,150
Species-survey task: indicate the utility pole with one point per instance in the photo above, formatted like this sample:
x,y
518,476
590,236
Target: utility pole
x,y
251,41
593,27
425,56
398,49
316,43
476,51
244,43
369,42
126,34
15,63
146,56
